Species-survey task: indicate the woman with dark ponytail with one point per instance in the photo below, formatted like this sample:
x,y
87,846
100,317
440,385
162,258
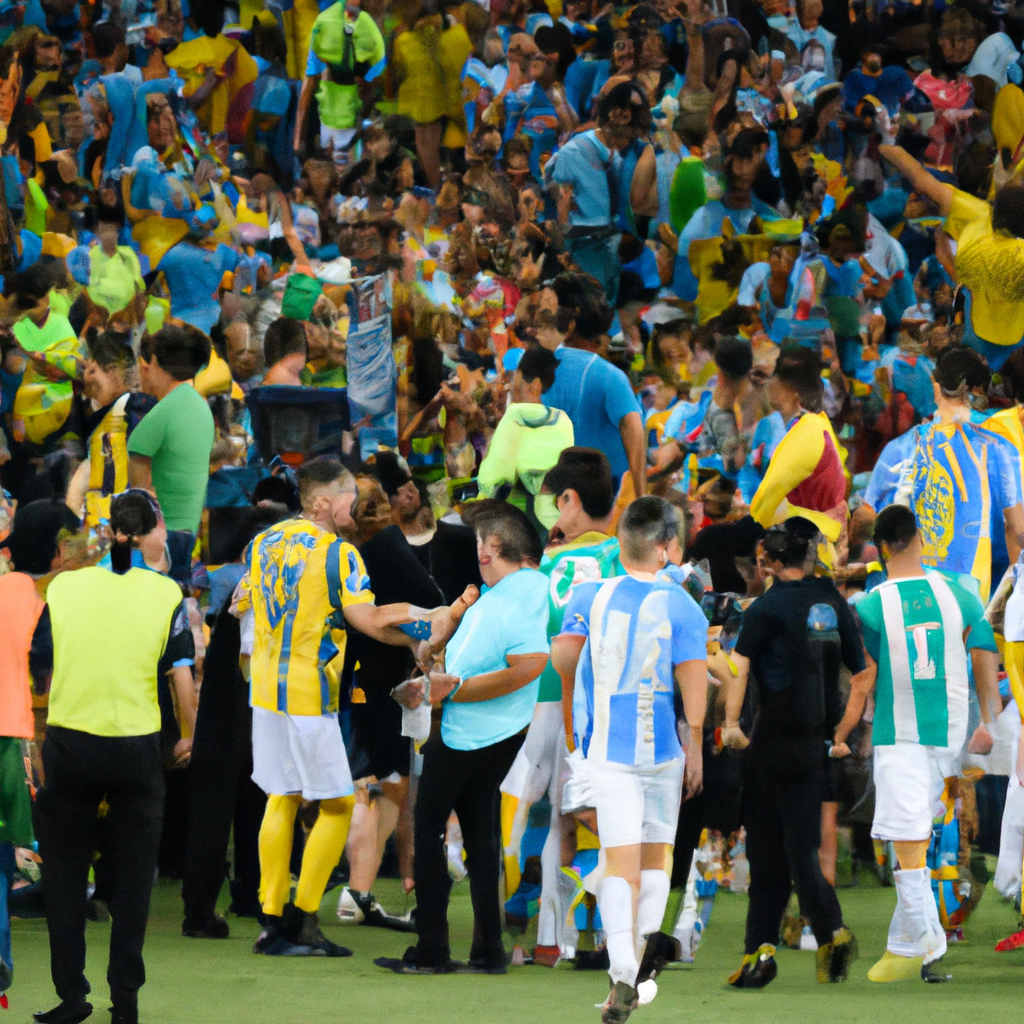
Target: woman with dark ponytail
x,y
101,637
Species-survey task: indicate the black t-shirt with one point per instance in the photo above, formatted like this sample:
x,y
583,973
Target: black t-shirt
x,y
396,574
797,636
721,544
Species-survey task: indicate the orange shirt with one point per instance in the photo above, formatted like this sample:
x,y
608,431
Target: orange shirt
x,y
20,608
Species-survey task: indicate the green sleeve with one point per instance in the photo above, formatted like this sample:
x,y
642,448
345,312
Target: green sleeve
x,y
499,464
980,636
869,611
148,437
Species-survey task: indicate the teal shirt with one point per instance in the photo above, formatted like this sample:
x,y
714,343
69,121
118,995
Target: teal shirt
x,y
592,556
509,618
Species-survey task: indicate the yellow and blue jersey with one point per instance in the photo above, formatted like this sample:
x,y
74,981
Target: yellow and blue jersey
x,y
300,579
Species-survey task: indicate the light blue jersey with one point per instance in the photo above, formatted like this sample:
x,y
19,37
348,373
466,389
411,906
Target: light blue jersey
x,y
637,632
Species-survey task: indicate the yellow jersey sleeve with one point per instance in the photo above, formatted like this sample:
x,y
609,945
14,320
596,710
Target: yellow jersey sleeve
x,y
968,217
347,581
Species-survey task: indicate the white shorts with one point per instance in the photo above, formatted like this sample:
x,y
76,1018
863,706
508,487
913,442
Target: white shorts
x,y
636,807
299,754
909,779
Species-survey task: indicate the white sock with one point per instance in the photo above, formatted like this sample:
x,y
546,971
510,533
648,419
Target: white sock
x,y
915,929
650,907
616,903
688,913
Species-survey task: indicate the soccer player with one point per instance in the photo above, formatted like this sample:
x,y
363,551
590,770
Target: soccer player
x,y
623,643
303,585
918,629
580,487
792,641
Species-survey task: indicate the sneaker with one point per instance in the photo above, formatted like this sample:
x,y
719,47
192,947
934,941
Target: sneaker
x,y
807,939
933,973
309,934
1011,942
659,950
215,928
363,908
273,931
65,1013
833,960
546,956
621,1002
757,969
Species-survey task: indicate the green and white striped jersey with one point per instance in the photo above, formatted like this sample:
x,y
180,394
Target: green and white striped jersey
x,y
919,629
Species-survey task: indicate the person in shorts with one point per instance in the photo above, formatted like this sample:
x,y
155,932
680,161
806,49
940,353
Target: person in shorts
x,y
303,586
919,628
625,644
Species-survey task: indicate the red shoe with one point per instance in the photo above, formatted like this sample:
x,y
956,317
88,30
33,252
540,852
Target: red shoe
x,y
546,956
1012,942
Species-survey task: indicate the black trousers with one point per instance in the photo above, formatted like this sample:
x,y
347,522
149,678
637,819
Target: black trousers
x,y
221,790
782,814
82,769
467,782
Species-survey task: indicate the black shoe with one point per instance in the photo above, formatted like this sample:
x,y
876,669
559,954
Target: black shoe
x,y
591,960
409,964
272,933
215,928
660,949
757,969
933,973
124,1016
66,1013
309,934
363,908
478,964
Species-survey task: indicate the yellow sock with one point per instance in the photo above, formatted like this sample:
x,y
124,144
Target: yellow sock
x,y
896,968
324,847
276,852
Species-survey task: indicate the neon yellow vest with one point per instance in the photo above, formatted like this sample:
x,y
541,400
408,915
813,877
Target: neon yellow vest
x,y
109,633
349,50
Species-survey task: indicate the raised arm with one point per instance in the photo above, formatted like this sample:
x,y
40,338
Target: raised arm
x,y
920,180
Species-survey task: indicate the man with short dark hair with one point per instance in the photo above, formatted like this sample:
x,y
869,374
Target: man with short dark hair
x,y
625,644
919,628
169,451
487,690
302,586
792,641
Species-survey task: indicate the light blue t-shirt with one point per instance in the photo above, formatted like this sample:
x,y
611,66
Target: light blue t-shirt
x,y
193,276
637,632
509,618
595,395
585,162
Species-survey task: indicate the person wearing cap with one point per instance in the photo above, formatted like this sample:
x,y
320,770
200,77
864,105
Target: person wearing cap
x,y
791,642
33,547
103,742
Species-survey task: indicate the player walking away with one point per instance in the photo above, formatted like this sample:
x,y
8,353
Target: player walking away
x,y
918,628
622,644
793,640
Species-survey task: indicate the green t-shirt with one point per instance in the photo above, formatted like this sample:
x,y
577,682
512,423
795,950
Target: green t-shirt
x,y
914,629
591,556
177,435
